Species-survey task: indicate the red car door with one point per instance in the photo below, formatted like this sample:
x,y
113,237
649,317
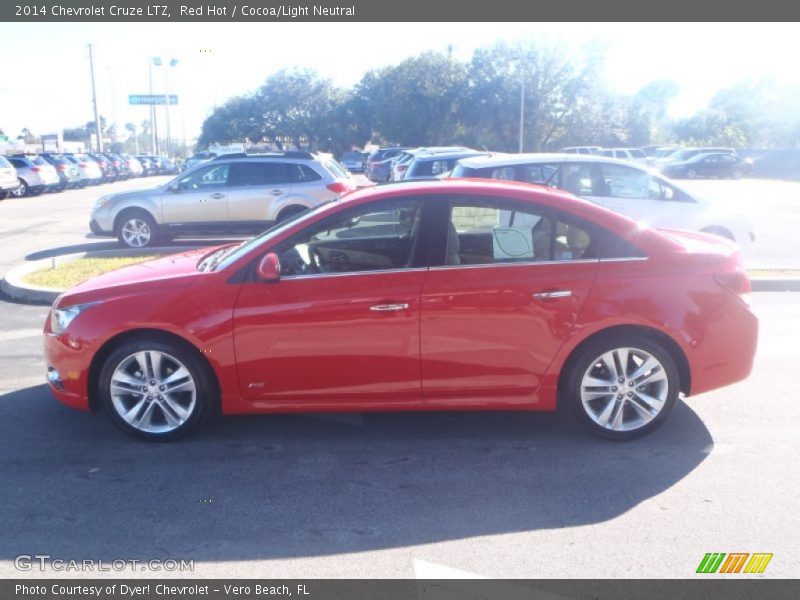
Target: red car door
x,y
494,315
342,323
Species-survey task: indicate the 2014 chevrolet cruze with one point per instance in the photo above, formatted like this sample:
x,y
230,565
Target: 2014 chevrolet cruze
x,y
432,295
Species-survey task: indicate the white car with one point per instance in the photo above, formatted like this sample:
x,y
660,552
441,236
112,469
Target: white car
x,y
626,188
628,154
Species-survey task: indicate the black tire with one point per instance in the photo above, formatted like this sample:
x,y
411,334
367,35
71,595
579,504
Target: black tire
x,y
289,212
691,174
136,219
3,195
586,361
204,399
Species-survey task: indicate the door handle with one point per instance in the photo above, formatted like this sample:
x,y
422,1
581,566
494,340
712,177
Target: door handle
x,y
218,195
277,192
552,294
389,307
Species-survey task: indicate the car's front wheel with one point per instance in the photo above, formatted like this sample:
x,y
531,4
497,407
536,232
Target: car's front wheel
x,y
155,390
136,229
623,387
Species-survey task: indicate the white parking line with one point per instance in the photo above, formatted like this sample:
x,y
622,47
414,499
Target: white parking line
x,y
19,334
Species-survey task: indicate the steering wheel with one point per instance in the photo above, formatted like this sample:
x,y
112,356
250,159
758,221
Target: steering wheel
x,y
316,259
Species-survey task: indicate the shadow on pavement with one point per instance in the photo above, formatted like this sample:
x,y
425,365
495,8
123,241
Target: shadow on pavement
x,y
280,486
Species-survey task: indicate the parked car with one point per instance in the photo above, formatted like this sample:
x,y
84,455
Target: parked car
x,y
581,149
629,154
400,163
8,178
89,169
199,157
683,154
708,165
231,193
35,175
379,164
110,172
442,295
120,164
627,188
68,174
149,167
134,166
437,162
353,161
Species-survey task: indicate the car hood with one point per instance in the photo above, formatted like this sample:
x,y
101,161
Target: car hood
x,y
135,193
168,272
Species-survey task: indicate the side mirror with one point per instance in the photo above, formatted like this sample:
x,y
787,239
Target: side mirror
x,y
175,187
269,268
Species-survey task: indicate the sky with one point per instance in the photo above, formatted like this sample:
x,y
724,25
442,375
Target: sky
x,y
46,86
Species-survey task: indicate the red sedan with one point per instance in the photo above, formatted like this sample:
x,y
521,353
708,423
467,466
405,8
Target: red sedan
x,y
435,295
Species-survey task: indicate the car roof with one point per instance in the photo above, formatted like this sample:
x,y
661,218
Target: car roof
x,y
503,160
448,153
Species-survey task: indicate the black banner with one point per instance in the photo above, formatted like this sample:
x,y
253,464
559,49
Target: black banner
x,y
405,10
401,589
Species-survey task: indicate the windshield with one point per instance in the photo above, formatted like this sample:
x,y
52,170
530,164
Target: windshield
x,y
229,255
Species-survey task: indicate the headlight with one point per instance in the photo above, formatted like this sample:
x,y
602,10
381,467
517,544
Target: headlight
x,y
101,202
60,318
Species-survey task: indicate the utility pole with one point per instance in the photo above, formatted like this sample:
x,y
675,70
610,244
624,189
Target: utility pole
x,y
521,110
98,133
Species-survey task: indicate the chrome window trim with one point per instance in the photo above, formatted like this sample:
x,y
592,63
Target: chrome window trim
x,y
537,263
375,272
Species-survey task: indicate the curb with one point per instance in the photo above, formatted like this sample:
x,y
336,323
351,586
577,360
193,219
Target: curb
x,y
16,289
775,285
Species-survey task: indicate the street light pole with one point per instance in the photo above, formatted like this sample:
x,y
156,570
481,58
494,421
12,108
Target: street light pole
x,y
153,124
98,133
172,63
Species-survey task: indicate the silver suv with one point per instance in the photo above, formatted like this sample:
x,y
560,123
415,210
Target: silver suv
x,y
233,193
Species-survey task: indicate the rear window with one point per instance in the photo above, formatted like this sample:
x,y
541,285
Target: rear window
x,y
38,160
4,164
338,170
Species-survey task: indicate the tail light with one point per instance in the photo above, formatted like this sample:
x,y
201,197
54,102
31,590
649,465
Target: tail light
x,y
340,187
737,283
61,167
81,165
36,169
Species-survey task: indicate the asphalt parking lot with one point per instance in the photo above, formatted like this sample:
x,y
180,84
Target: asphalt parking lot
x,y
502,495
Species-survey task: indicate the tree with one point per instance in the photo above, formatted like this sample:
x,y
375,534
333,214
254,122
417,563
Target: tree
x,y
417,102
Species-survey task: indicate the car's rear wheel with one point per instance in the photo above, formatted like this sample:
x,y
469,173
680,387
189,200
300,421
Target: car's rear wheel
x,y
623,387
20,191
737,174
136,229
155,390
691,174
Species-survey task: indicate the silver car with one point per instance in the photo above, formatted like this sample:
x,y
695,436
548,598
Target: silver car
x,y
8,178
35,175
234,193
89,169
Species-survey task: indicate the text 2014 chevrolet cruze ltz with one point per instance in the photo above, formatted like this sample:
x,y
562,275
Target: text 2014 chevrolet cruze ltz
x,y
434,295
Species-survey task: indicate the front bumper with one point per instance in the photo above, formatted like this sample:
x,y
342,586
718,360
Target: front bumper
x,y
67,370
97,230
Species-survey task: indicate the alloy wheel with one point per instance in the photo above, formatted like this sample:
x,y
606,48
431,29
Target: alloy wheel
x,y
624,389
136,233
153,392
